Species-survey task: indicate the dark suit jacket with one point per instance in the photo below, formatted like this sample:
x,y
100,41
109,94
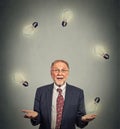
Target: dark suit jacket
x,y
73,107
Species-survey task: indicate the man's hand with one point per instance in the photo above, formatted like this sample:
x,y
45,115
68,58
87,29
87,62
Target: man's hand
x,y
30,114
88,117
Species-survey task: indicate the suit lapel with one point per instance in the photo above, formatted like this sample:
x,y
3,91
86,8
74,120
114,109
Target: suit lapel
x,y
49,101
68,96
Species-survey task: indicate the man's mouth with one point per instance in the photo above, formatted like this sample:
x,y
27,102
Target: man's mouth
x,y
59,78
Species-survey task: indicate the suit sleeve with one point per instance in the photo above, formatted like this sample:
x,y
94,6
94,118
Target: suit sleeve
x,y
36,108
81,111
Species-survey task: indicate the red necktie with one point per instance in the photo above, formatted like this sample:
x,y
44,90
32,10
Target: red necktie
x,y
59,107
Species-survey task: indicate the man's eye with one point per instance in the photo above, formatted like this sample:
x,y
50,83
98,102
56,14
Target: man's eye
x,y
56,70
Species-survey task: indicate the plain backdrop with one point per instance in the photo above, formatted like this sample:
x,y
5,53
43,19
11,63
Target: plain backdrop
x,y
94,22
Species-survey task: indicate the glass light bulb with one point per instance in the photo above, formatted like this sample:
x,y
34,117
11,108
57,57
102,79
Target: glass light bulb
x,y
20,79
30,29
92,106
67,15
100,51
96,102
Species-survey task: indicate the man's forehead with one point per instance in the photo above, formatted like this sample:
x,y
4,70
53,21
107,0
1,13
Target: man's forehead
x,y
59,64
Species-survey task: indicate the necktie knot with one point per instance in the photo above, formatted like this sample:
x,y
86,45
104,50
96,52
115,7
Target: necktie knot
x,y
59,90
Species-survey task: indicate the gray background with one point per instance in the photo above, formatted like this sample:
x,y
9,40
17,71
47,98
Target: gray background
x,y
95,22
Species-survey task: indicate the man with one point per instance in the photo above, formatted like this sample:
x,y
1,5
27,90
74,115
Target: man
x,y
59,110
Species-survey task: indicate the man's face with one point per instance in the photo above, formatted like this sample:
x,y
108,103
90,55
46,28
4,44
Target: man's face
x,y
59,73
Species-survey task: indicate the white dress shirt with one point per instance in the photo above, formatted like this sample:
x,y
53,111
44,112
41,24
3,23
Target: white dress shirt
x,y
54,98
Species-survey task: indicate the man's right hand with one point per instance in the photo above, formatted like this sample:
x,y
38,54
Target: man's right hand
x,y
30,114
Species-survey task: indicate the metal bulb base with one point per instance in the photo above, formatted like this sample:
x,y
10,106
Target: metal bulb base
x,y
25,83
64,23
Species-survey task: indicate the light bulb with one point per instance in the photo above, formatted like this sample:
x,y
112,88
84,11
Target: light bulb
x,y
92,107
30,29
96,102
20,79
66,17
100,51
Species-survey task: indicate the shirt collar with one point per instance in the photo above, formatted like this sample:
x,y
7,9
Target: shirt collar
x,y
62,87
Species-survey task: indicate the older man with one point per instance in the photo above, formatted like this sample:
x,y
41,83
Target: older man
x,y
59,105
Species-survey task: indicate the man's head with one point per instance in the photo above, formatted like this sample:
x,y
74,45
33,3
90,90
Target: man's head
x,y
59,72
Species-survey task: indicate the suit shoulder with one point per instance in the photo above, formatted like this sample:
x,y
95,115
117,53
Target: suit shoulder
x,y
75,88
45,87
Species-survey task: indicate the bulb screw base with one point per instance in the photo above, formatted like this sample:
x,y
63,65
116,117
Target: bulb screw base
x,y
106,56
25,83
64,23
35,24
